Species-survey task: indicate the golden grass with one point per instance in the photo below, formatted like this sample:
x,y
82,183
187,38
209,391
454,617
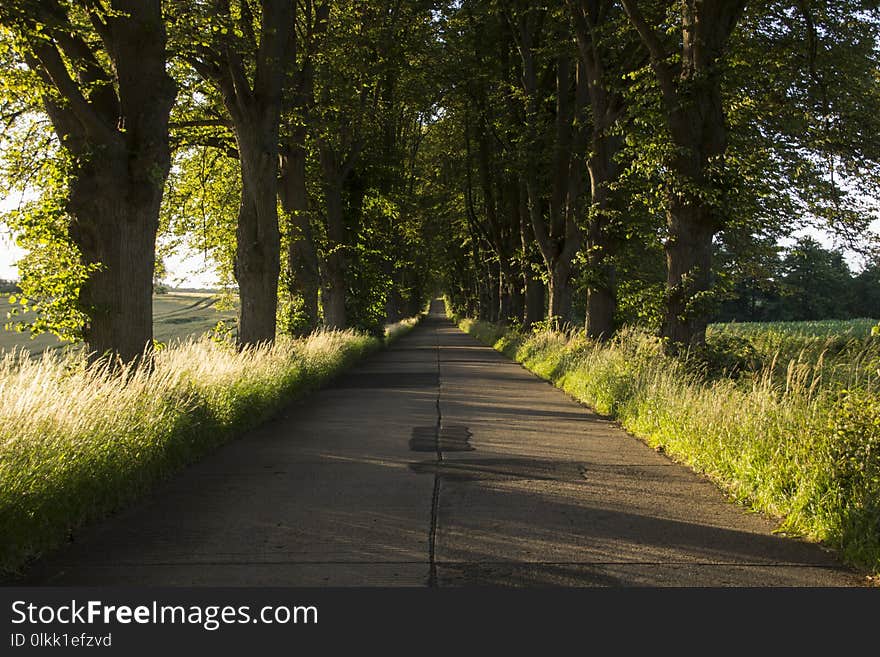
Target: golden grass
x,y
79,440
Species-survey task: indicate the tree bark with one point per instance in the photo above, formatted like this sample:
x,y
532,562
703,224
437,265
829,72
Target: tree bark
x,y
559,237
688,265
695,120
302,256
536,301
601,306
251,93
560,294
258,239
114,121
607,106
602,289
303,269
118,232
333,299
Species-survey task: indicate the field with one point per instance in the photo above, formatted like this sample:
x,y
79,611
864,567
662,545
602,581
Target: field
x,y
786,340
784,417
176,316
829,328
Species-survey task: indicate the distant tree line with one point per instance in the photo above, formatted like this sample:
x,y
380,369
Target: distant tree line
x,y
804,282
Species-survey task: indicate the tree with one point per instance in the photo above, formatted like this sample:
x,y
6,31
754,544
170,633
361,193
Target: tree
x,y
241,49
100,71
302,275
689,73
555,223
866,292
362,122
748,271
608,54
816,283
776,121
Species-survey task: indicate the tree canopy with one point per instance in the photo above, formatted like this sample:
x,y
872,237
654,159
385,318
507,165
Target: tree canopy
x,y
578,162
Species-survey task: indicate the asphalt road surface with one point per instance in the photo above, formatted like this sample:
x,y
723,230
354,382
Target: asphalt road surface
x,y
437,462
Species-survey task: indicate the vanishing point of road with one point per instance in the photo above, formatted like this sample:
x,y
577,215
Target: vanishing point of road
x,y
437,462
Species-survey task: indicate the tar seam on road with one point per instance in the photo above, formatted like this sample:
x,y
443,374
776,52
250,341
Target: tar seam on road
x,y
435,497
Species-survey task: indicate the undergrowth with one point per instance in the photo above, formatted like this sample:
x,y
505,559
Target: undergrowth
x,y
794,433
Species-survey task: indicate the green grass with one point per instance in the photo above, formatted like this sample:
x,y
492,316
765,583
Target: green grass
x,y
78,441
799,440
829,328
399,329
785,341
177,316
182,315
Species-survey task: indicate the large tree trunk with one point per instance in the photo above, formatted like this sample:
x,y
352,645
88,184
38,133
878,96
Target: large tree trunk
x,y
303,269
334,263
536,301
116,230
251,92
559,238
113,119
601,306
258,240
688,264
698,129
694,114
601,291
302,256
607,106
560,294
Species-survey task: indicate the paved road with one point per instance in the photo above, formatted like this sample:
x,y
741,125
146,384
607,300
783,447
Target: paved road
x,y
438,462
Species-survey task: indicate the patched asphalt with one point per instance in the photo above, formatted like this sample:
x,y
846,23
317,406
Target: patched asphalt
x,y
438,462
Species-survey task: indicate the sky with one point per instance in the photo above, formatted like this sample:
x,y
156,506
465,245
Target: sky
x,y
184,269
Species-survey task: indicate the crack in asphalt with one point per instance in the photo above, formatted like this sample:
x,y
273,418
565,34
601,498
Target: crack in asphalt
x,y
435,496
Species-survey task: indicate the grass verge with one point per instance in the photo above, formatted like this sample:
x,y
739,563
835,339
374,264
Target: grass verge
x,y
78,441
801,448
401,328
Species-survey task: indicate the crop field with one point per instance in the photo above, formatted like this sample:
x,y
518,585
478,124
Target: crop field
x,y
838,353
176,316
836,328
788,339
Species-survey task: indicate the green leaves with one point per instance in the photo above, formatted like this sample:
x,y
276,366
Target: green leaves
x,y
33,167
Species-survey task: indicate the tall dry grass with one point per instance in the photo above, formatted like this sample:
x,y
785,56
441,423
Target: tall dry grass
x,y
79,440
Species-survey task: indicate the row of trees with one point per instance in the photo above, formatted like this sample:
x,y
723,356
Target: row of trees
x,y
614,147
805,282
196,121
615,160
